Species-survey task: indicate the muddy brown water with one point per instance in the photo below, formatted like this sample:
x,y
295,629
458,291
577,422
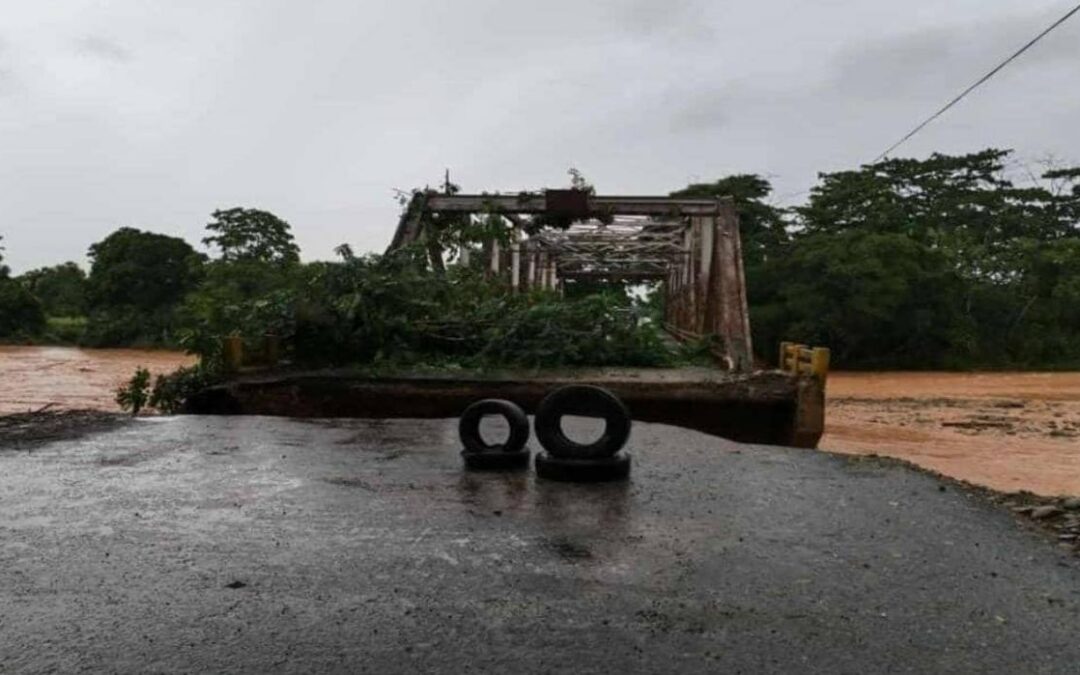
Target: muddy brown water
x,y
1007,431
32,378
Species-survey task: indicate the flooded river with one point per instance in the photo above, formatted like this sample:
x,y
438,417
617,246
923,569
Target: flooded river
x,y
1007,431
32,378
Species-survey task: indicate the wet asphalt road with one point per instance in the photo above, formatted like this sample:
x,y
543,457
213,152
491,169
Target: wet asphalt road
x,y
268,545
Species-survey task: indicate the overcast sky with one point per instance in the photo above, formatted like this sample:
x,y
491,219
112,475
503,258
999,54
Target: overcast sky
x,y
152,114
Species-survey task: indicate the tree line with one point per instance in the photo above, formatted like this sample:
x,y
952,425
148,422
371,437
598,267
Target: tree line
x,y
943,262
148,289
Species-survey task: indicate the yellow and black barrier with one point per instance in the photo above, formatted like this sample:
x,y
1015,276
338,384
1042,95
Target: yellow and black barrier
x,y
803,360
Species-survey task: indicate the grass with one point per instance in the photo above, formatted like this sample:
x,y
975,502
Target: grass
x,y
64,330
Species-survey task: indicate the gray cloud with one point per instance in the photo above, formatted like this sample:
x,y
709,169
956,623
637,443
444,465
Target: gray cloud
x,y
674,19
7,72
950,57
317,110
867,92
902,64
102,48
705,110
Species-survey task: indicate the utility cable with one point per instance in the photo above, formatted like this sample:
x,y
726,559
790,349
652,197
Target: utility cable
x,y
981,81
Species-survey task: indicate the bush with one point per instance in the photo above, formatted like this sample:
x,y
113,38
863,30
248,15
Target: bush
x,y
172,390
134,395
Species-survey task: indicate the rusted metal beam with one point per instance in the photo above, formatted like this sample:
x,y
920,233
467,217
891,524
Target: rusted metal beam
x,y
704,260
535,203
729,285
408,228
640,276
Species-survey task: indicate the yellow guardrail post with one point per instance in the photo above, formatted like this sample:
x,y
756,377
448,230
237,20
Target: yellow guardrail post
x,y
785,351
819,362
232,352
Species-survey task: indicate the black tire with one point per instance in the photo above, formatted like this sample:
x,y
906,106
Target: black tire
x,y
469,426
583,470
590,401
497,461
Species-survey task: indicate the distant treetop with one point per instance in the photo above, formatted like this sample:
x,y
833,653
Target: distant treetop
x,y
251,235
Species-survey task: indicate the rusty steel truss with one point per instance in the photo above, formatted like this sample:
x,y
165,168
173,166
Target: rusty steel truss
x,y
691,246
627,248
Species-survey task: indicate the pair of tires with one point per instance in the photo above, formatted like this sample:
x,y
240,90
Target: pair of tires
x,y
564,459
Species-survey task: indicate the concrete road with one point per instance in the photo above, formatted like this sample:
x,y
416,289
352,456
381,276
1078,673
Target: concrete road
x,y
268,545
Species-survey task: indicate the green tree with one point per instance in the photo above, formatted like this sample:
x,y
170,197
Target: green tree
x,y
61,289
4,271
942,261
246,291
762,226
964,205
876,299
20,312
245,235
1012,248
136,281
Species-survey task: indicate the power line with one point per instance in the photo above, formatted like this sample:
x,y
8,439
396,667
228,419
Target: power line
x,y
981,81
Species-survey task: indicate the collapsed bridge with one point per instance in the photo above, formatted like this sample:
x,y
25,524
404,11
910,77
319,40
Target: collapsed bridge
x,y
692,246
559,237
